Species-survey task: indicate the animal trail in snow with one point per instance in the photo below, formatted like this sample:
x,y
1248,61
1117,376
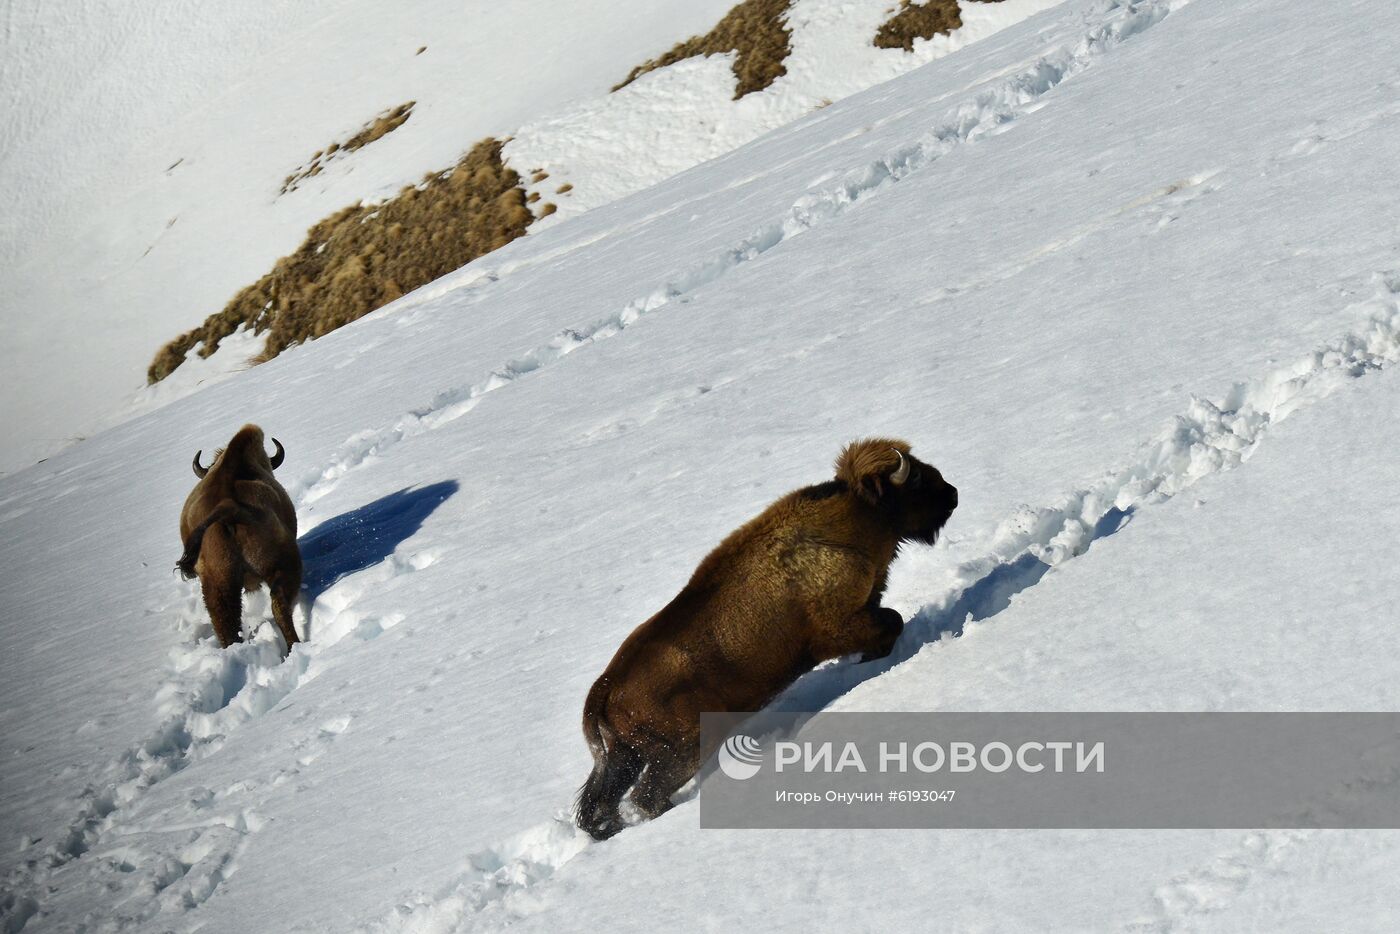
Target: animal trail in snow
x,y
1208,438
992,110
209,692
496,881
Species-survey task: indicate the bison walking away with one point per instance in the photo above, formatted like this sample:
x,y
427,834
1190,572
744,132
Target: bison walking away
x,y
797,585
240,531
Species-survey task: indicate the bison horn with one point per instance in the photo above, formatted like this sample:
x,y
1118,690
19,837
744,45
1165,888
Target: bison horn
x,y
901,473
198,470
281,453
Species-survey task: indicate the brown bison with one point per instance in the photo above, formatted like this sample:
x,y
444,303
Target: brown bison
x,y
797,585
240,531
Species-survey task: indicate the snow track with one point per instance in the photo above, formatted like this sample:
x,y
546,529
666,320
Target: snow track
x,y
207,694
1214,886
1208,438
496,883
989,111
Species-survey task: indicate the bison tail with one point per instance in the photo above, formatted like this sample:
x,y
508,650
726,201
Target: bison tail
x,y
191,554
616,767
594,710
224,512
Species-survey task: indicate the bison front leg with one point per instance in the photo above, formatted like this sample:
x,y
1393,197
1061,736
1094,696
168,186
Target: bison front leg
x,y
888,625
870,631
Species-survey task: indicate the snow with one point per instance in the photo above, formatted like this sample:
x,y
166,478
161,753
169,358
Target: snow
x,y
1125,272
676,117
143,137
143,149
221,163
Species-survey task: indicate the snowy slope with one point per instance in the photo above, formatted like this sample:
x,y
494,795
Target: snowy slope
x,y
144,150
1209,600
1133,255
144,145
679,116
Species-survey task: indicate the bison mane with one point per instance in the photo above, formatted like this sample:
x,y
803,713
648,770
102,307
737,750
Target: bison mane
x,y
861,464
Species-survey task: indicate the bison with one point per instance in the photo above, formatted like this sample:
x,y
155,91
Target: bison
x,y
797,585
239,530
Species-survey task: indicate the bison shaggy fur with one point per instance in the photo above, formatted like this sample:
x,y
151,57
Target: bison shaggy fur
x,y
239,531
797,585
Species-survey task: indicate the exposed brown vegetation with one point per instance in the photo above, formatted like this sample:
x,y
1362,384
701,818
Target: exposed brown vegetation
x,y
363,257
797,585
239,531
382,125
753,28
919,21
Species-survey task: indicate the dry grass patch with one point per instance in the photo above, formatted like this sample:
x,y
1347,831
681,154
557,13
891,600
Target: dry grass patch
x,y
382,125
363,257
754,28
919,21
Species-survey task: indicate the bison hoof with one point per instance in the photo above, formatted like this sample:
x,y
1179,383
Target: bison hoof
x,y
876,656
890,621
889,624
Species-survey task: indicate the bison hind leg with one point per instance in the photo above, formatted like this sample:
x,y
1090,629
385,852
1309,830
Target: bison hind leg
x,y
221,579
224,600
666,772
614,771
285,588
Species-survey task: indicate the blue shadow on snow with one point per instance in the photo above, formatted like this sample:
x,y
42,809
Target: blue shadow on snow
x,y
363,537
982,599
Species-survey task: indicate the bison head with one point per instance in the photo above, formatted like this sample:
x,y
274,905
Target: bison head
x,y
913,494
248,443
